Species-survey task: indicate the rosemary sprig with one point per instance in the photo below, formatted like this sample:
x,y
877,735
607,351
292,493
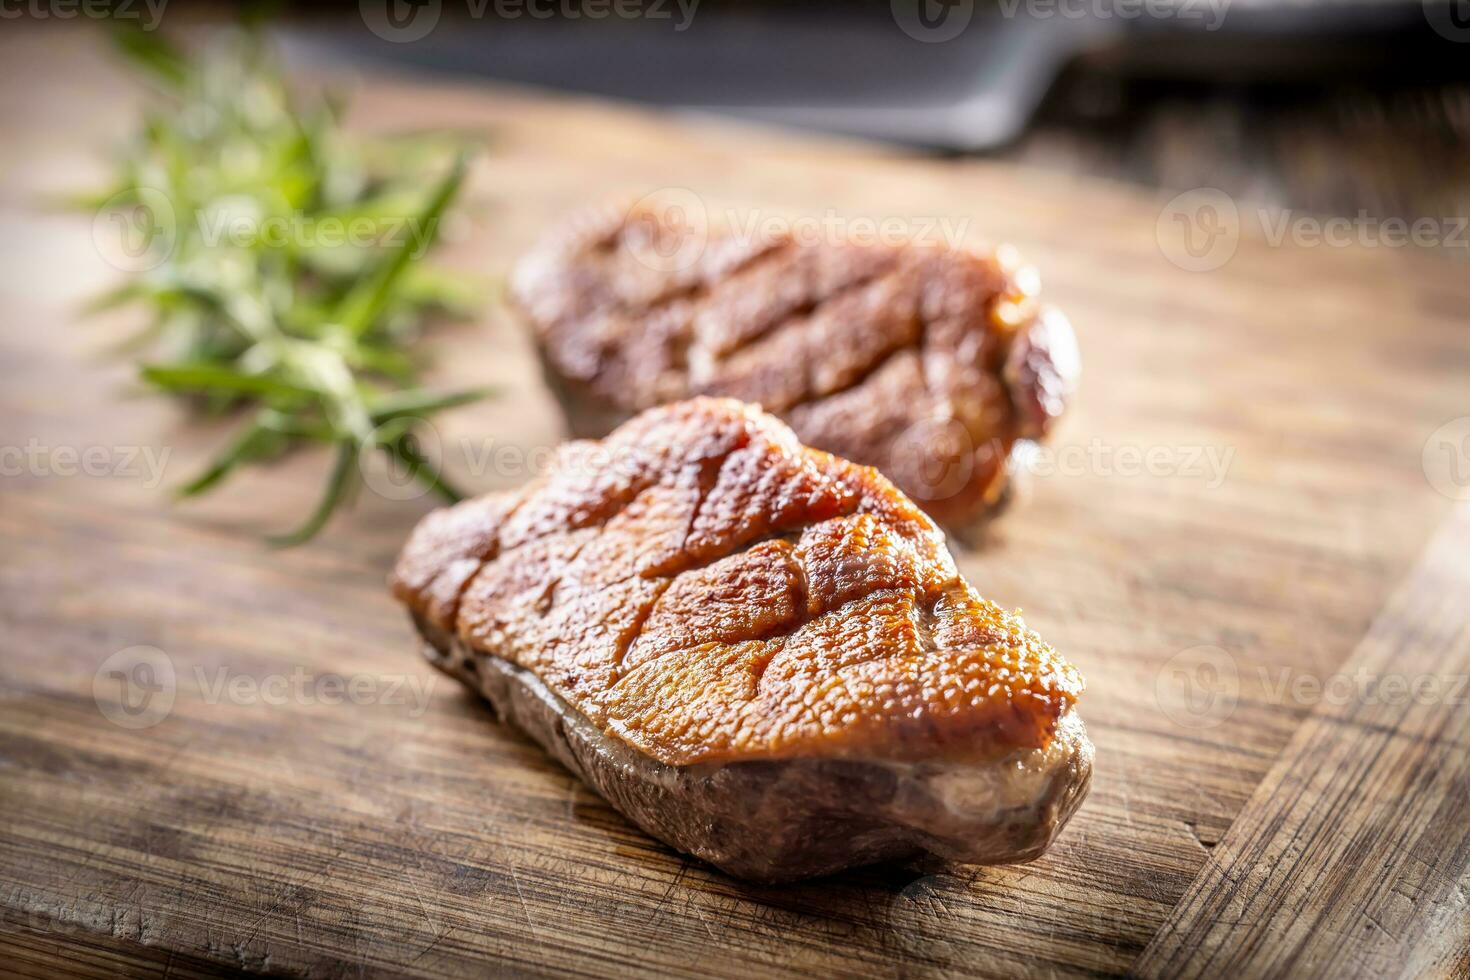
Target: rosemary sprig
x,y
285,278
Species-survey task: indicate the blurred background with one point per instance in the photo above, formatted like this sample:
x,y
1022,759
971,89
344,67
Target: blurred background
x,y
1333,107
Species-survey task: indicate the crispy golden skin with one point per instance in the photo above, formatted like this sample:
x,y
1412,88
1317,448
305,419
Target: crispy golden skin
x,y
927,362
704,588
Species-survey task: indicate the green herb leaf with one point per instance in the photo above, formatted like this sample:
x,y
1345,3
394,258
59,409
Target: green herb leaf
x,y
291,280
251,442
206,378
344,468
149,51
423,470
408,403
365,302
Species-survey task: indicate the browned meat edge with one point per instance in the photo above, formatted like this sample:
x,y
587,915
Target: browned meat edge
x,y
788,820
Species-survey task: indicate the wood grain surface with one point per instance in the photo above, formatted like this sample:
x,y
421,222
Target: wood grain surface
x,y
1352,857
1285,399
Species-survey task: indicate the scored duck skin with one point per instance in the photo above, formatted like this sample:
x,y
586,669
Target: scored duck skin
x,y
760,653
928,362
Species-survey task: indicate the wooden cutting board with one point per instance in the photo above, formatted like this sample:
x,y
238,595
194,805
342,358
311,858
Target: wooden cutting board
x,y
1239,508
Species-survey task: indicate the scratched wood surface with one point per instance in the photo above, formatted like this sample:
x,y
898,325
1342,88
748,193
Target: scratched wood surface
x,y
1288,397
1352,857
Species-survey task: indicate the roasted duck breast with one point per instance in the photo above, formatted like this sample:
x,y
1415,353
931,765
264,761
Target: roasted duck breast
x,y
760,653
930,363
